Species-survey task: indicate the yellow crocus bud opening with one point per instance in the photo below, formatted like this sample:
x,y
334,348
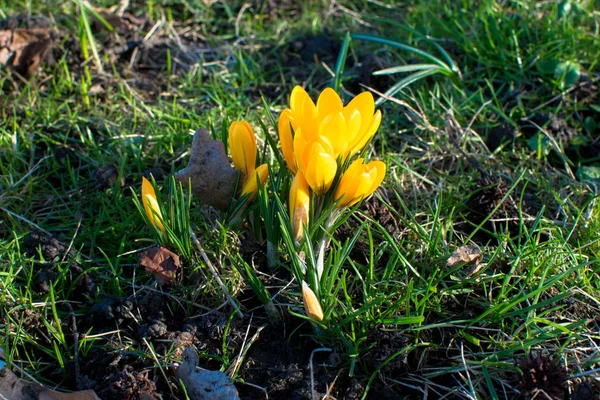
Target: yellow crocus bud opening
x,y
151,205
299,203
242,145
259,175
311,303
359,181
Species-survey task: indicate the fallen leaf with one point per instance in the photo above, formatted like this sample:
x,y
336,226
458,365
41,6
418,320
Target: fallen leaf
x,y
465,254
162,263
47,394
14,388
118,19
24,49
210,171
204,384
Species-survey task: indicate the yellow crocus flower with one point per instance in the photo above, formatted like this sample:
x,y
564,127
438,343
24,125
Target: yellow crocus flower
x,y
151,205
259,175
359,181
242,145
299,203
311,303
341,130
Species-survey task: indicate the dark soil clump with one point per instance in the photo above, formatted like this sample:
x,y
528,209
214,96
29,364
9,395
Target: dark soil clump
x,y
127,385
540,373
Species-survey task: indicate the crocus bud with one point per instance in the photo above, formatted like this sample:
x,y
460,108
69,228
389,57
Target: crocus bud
x,y
242,145
359,181
320,168
259,175
311,303
151,205
299,203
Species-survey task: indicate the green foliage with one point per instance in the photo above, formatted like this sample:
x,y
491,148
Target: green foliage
x,y
456,73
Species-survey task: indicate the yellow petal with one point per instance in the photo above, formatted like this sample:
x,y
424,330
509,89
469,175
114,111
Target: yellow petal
x,y
300,146
242,145
353,122
347,188
328,102
320,168
256,177
304,113
299,203
365,104
359,181
377,171
333,130
151,205
311,303
361,141
286,138
298,97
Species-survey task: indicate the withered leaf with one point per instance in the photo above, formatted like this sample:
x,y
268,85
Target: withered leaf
x,y
11,387
210,171
24,49
465,254
162,263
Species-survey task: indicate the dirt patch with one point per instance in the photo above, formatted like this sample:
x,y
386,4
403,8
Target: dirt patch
x,y
127,385
486,195
503,133
380,213
362,74
53,254
541,374
279,363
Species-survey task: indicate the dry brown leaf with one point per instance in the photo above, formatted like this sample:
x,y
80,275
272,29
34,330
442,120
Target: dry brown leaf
x,y
162,263
465,254
204,384
24,49
468,255
47,394
210,171
13,388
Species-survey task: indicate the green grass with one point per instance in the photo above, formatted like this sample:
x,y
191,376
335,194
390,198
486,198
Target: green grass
x,y
538,289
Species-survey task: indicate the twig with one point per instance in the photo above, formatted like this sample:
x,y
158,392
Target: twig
x,y
36,226
462,356
213,271
312,375
75,345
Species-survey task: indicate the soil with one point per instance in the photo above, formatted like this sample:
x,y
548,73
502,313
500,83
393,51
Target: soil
x,y
51,252
485,196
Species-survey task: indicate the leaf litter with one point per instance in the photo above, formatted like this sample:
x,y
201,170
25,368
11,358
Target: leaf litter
x,y
162,263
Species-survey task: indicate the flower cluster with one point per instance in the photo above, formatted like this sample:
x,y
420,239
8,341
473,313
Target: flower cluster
x,y
318,139
318,142
242,145
322,145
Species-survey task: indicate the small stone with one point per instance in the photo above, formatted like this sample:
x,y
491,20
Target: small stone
x,y
210,172
204,384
